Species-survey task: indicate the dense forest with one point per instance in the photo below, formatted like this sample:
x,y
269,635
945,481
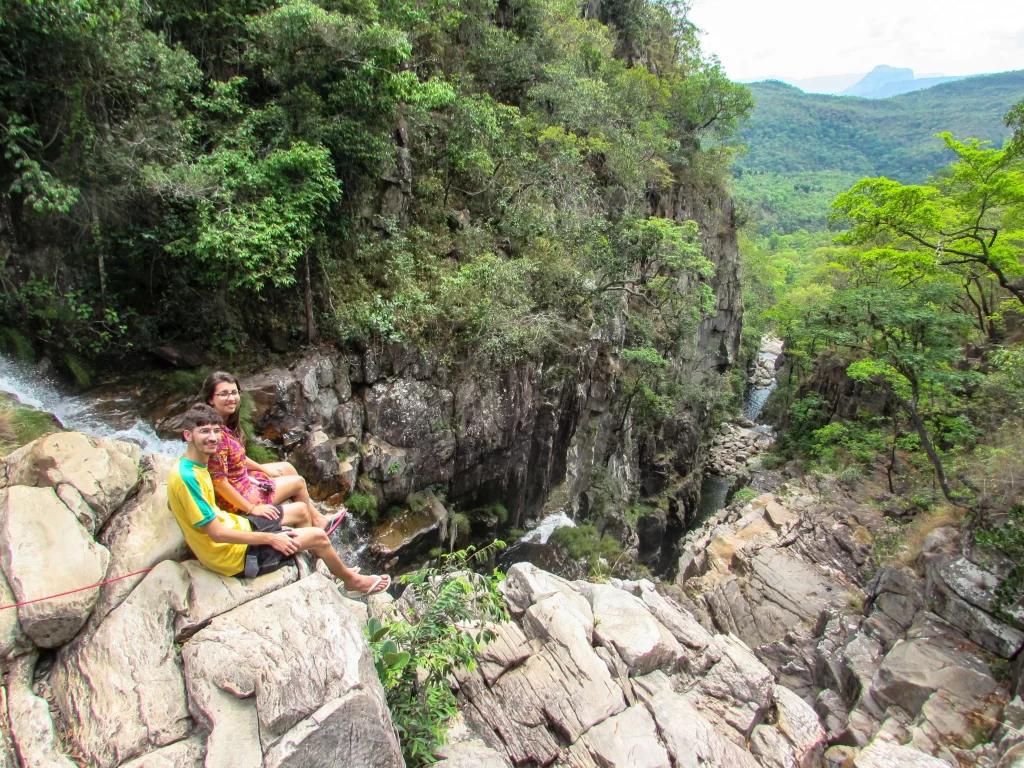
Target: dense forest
x,y
471,177
803,149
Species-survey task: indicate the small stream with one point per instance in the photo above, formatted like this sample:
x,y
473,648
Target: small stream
x,y
112,414
714,489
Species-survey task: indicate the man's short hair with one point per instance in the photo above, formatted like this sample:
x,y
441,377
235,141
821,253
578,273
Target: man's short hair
x,y
200,415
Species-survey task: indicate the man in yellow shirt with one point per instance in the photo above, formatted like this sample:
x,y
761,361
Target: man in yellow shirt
x,y
227,543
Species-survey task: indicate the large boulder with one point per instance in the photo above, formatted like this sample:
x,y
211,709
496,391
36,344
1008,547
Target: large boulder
x,y
737,690
104,472
627,740
885,754
45,551
181,754
141,534
120,689
288,678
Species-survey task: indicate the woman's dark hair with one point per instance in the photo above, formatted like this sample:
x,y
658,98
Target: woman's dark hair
x,y
200,415
210,386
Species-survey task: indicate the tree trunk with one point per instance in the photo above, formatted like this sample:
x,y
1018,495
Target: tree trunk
x,y
310,329
933,455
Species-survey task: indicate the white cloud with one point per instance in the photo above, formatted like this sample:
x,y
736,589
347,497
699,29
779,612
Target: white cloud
x,y
810,38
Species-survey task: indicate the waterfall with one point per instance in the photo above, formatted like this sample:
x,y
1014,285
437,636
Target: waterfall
x,y
107,416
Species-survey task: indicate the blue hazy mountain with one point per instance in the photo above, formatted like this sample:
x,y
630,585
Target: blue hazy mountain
x,y
885,81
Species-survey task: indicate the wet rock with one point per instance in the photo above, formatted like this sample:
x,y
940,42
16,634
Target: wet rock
x,y
45,551
120,704
180,355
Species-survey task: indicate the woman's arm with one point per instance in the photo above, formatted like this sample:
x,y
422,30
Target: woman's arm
x,y
227,492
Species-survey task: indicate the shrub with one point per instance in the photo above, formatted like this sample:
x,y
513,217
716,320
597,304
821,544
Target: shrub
x,y
364,505
258,452
743,495
417,655
1009,538
585,543
189,382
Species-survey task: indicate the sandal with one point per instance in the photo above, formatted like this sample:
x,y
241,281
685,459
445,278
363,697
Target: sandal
x,y
334,521
374,588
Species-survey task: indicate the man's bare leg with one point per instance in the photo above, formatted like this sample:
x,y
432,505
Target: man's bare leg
x,y
315,540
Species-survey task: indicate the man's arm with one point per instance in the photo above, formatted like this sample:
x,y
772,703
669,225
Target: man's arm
x,y
283,542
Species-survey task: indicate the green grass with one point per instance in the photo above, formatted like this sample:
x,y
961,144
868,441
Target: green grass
x,y
20,425
584,543
187,382
364,505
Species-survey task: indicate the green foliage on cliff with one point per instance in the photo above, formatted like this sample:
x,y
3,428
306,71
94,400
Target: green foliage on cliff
x,y
417,653
471,178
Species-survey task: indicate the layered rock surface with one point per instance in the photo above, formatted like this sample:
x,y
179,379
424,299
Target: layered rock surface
x,y
175,667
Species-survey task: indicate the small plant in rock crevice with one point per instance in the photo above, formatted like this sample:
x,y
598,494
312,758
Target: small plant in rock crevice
x,y
416,654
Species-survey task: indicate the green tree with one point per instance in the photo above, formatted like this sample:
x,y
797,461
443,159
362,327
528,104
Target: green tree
x,y
907,343
968,220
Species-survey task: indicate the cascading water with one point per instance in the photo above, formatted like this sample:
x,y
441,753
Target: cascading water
x,y
714,489
108,416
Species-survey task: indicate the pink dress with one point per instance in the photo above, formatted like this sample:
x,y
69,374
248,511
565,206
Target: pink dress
x,y
229,464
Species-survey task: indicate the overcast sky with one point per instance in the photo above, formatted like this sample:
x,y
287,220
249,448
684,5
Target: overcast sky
x,y
756,39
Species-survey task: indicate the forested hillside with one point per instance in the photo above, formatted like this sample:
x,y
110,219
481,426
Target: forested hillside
x,y
805,148
474,178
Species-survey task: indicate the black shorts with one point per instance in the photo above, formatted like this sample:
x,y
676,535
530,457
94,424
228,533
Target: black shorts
x,y
263,558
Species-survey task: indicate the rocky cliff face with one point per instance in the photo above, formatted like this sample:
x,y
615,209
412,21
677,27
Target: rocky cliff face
x,y
525,437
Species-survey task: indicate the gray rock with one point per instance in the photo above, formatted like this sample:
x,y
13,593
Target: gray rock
x,y
980,626
526,584
103,471
881,754
622,622
120,689
141,534
799,723
771,748
691,739
271,665
32,731
45,551
916,668
182,754
627,740
470,754
736,691
12,639
210,594
349,730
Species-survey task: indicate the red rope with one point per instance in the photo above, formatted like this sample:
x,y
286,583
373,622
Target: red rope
x,y
72,591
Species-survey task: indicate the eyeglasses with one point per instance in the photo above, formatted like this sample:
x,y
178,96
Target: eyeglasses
x,y
227,393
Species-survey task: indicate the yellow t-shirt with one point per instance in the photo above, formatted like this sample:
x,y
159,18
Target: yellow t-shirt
x,y
190,495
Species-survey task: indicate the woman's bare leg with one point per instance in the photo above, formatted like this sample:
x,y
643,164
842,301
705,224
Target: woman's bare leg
x,y
284,467
294,487
315,540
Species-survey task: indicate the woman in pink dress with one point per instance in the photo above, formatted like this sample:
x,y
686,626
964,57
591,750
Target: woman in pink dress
x,y
244,486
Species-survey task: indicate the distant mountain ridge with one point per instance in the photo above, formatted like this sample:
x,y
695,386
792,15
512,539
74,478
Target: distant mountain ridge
x,y
804,148
795,131
885,81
